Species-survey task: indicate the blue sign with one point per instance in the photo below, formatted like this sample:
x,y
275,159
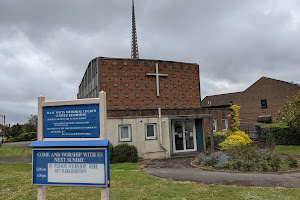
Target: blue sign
x,y
71,167
77,121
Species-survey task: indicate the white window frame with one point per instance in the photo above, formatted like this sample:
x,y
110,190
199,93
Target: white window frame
x,y
150,137
129,133
226,124
214,121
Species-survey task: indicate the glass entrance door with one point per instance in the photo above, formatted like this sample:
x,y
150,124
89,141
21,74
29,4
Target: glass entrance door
x,y
184,138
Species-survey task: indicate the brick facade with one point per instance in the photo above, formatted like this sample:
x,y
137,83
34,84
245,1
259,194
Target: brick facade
x,y
131,92
218,114
274,92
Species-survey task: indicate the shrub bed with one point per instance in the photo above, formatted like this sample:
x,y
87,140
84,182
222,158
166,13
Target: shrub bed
x,y
246,159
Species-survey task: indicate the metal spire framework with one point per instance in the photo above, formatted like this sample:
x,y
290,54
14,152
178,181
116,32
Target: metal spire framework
x,y
134,44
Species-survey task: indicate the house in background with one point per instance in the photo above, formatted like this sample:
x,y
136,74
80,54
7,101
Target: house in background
x,y
259,103
262,101
219,107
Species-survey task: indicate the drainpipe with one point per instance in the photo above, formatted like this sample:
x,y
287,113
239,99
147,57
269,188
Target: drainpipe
x,y
160,131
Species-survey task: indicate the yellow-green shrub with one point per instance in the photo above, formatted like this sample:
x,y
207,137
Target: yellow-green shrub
x,y
244,135
238,139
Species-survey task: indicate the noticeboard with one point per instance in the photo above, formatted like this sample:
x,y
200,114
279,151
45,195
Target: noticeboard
x,y
71,167
75,121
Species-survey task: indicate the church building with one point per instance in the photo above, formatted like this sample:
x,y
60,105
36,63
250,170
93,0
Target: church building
x,y
152,104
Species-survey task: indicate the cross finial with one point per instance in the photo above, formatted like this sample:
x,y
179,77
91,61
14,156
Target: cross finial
x,y
134,44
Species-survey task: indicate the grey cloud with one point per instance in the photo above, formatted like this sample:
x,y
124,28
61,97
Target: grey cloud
x,y
45,46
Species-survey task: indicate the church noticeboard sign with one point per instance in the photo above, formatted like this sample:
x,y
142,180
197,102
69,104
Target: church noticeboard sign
x,y
71,165
74,121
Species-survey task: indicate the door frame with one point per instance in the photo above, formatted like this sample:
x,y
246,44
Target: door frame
x,y
183,136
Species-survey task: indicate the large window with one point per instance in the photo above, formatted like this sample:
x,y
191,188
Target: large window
x,y
224,124
125,133
214,123
150,131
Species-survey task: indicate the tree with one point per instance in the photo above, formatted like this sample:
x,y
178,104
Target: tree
x,y
237,138
235,119
15,131
31,124
290,113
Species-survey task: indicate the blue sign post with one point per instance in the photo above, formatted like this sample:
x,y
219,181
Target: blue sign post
x,y
71,163
70,150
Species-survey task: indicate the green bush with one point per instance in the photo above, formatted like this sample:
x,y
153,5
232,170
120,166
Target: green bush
x,y
219,137
111,151
262,130
282,135
124,153
23,137
292,162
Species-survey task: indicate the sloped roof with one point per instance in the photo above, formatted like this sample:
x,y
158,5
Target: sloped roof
x,y
223,100
283,83
220,100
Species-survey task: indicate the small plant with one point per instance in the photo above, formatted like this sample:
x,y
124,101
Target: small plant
x,y
292,162
217,159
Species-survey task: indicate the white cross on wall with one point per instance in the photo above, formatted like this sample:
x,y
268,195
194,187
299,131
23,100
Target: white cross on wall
x,y
157,75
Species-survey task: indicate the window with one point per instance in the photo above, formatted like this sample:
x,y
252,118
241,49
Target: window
x,y
125,133
224,124
264,103
214,123
150,131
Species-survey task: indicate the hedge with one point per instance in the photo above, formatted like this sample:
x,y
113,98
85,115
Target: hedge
x,y
23,137
282,135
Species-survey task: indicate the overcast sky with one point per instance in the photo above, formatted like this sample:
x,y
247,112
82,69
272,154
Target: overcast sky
x,y
45,46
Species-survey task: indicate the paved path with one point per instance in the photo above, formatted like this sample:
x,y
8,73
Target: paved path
x,y
22,144
187,173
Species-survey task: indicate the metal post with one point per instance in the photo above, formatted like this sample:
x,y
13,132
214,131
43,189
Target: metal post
x,y
203,135
41,195
103,133
103,115
212,144
4,127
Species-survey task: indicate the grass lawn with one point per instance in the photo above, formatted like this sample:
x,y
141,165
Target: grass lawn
x,y
288,149
11,151
128,183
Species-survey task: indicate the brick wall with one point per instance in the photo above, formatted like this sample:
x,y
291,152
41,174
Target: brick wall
x,y
275,92
218,114
128,88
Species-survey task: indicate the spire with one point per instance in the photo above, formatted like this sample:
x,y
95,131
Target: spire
x,y
134,44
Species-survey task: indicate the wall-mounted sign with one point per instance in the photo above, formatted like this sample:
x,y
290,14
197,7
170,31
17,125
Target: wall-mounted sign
x,y
70,167
76,121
